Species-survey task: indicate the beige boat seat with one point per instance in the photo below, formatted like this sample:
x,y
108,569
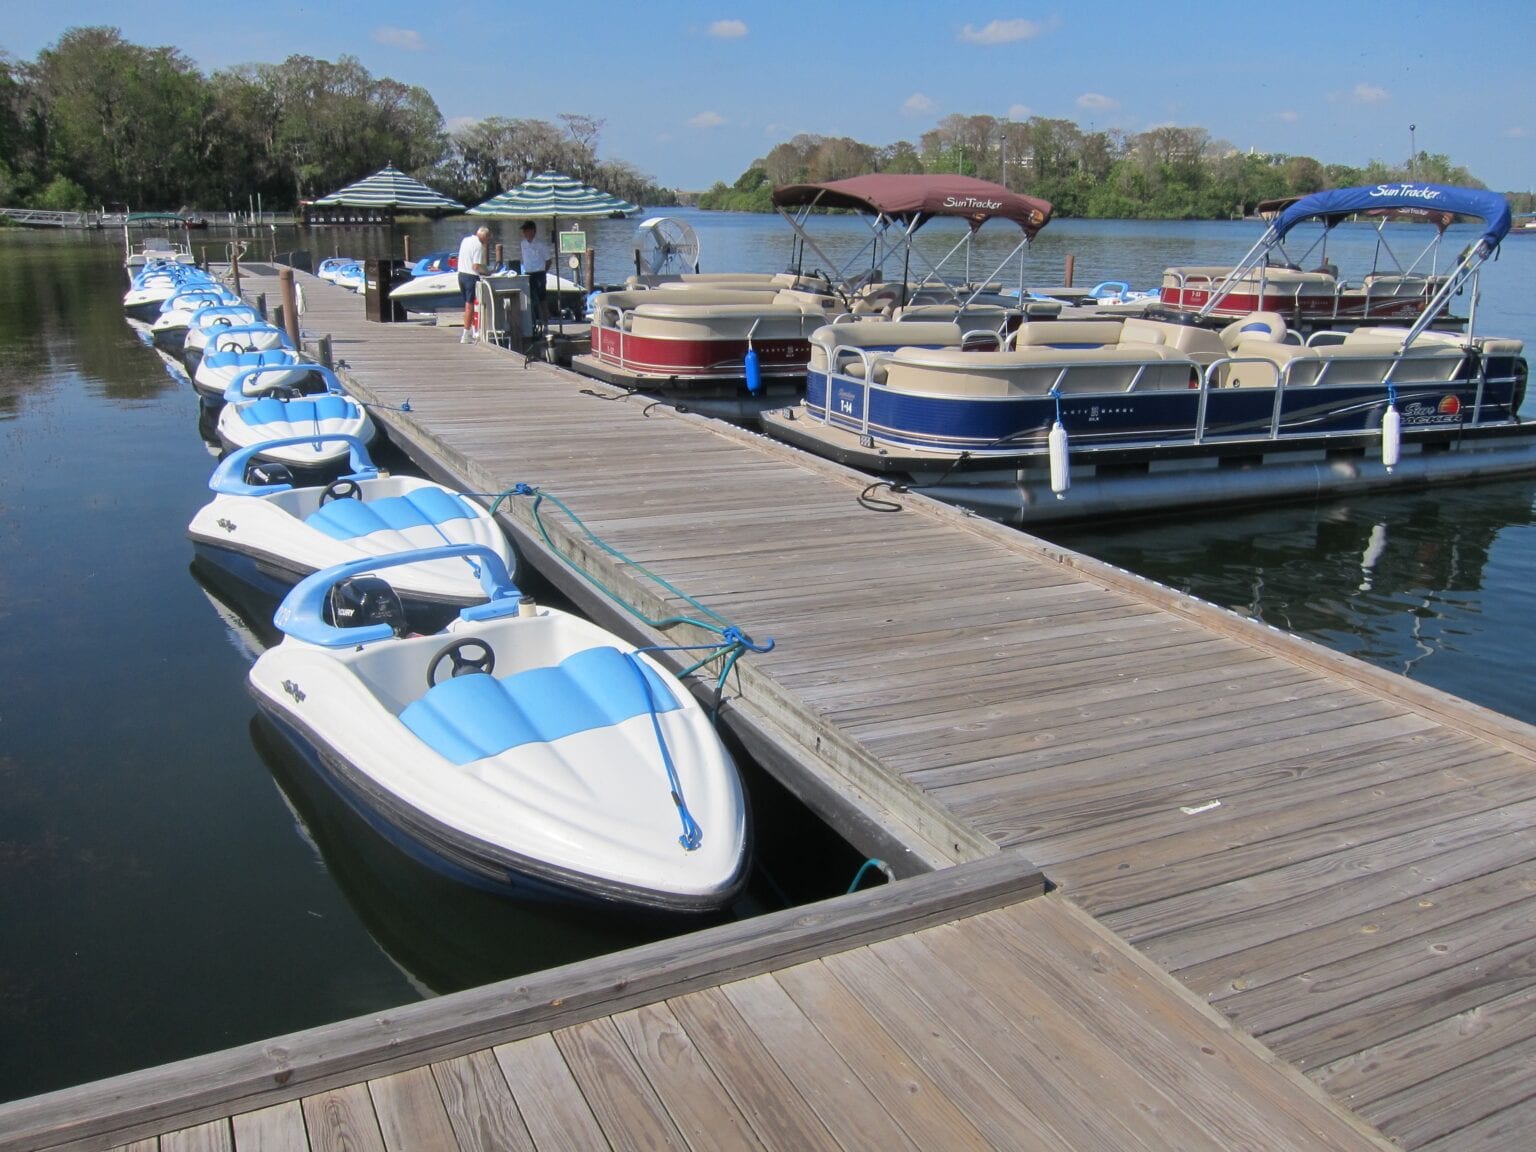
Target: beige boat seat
x,y
1256,327
1259,364
1033,371
854,343
714,321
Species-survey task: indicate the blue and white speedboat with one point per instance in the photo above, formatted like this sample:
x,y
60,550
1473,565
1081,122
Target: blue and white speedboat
x,y
152,285
168,330
331,265
235,368
210,322
315,421
522,749
271,534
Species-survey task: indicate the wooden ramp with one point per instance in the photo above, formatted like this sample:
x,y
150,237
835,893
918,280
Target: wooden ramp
x,y
1024,1027
1340,861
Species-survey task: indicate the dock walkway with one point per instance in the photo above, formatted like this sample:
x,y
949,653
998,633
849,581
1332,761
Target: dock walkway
x,y
1339,862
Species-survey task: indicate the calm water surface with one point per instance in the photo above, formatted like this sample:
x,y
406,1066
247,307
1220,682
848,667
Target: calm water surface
x,y
171,882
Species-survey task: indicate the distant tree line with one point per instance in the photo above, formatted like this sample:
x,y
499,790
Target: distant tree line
x,y
1163,173
96,120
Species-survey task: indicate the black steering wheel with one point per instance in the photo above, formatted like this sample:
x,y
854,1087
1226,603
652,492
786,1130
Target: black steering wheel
x,y
343,489
463,663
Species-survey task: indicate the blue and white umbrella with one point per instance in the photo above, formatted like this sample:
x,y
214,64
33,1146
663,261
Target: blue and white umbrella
x,y
390,188
551,195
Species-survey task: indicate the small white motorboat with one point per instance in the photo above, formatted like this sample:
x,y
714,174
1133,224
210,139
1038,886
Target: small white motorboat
x,y
271,534
313,421
522,748
436,291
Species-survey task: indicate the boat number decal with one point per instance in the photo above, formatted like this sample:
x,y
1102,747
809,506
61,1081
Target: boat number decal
x,y
1447,411
294,690
227,525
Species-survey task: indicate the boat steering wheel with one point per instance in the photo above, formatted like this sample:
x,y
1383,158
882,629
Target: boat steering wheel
x,y
342,489
463,664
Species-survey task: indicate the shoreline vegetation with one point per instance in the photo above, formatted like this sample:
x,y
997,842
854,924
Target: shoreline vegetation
x,y
96,121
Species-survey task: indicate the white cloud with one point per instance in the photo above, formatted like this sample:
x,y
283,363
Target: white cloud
x,y
1000,32
1287,117
407,38
1369,94
1096,102
707,120
917,104
1516,133
728,29
1020,112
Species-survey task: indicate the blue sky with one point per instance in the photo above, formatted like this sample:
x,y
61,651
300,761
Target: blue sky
x,y
693,92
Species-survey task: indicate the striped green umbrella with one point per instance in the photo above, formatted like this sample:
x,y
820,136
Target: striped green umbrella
x,y
391,188
549,195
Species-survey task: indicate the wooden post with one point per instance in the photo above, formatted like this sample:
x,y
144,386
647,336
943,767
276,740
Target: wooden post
x,y
323,352
290,304
205,257
500,255
591,269
234,266
406,240
1071,260
261,305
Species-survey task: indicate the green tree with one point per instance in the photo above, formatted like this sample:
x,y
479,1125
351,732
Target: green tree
x,y
121,119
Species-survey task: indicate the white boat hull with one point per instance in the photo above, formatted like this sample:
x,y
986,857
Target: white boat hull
x,y
291,533
587,812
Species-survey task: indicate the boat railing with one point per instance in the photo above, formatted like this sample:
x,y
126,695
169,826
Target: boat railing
x,y
872,373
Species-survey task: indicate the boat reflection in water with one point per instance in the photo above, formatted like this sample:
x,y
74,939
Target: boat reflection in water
x,y
443,935
1402,581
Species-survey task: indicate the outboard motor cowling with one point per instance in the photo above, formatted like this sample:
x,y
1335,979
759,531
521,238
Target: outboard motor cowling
x,y
267,472
365,600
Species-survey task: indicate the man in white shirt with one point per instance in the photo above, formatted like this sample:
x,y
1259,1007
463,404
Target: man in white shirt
x,y
472,265
537,256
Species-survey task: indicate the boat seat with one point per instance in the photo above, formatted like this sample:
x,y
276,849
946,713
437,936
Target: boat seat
x,y
1267,327
307,409
469,718
876,336
420,508
1067,334
1034,371
714,321
1258,364
1392,284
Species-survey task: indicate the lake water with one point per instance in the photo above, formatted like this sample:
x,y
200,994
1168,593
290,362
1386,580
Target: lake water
x,y
171,882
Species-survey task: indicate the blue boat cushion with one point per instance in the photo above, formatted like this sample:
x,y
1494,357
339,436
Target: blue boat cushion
x,y
349,519
271,410
471,717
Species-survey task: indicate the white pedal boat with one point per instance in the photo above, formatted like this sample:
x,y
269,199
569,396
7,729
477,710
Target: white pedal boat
x,y
272,534
314,421
523,749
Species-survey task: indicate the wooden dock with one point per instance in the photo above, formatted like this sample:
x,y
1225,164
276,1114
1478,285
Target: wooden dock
x,y
1293,895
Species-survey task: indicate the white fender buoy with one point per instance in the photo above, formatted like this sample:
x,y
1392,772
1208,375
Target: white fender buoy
x,y
1391,436
1061,480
